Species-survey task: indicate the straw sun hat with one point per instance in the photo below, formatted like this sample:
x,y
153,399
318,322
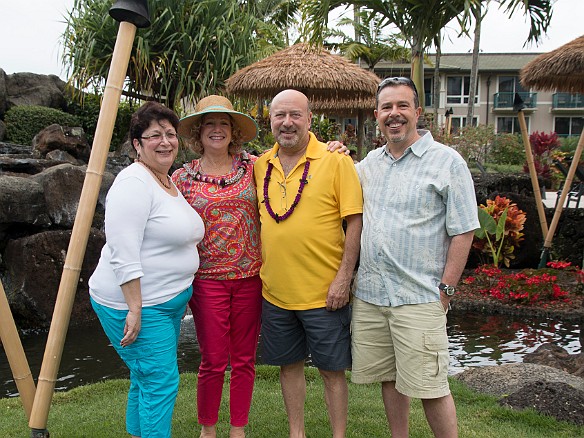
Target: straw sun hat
x,y
219,104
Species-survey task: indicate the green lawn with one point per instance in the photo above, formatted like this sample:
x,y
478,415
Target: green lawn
x,y
98,411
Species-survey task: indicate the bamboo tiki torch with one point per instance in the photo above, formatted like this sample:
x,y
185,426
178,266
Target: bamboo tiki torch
x,y
518,106
15,354
130,14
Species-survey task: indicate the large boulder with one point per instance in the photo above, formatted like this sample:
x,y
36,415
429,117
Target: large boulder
x,y
3,102
34,265
555,356
62,185
34,89
22,202
63,138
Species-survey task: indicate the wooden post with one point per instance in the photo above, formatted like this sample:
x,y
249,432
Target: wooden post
x,y
533,174
15,354
560,205
81,228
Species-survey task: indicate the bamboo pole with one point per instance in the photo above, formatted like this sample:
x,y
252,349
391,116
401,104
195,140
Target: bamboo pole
x,y
560,204
81,228
15,354
533,174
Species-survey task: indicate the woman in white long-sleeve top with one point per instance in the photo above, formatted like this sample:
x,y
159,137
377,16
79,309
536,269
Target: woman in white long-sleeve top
x,y
142,282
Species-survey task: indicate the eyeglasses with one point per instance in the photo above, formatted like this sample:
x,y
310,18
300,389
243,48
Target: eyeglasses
x,y
397,80
157,138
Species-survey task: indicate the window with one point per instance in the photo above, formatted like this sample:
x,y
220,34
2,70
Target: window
x,y
457,89
567,126
460,121
428,92
510,125
510,84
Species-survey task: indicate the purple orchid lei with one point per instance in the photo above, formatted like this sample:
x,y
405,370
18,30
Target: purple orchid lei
x,y
279,218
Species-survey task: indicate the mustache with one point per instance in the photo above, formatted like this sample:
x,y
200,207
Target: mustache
x,y
395,120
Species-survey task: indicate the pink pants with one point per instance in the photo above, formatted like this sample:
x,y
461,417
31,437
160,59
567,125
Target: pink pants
x,y
227,316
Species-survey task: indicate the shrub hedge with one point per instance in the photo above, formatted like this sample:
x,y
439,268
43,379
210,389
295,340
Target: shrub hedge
x,y
88,113
25,121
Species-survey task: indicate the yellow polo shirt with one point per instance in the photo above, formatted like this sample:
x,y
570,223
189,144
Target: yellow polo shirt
x,y
301,254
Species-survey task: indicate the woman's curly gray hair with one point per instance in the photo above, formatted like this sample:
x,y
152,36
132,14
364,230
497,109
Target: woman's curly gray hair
x,y
194,141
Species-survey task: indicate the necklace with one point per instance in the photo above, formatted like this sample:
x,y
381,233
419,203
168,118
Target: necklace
x,y
167,185
303,181
199,176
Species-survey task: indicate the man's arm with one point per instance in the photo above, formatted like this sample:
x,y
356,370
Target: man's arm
x,y
455,261
338,293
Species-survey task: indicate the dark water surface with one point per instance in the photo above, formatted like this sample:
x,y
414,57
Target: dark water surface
x,y
475,340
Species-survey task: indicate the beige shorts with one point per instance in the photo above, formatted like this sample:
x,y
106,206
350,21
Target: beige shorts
x,y
407,345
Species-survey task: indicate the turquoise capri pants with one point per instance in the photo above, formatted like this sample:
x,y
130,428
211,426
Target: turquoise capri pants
x,y
152,362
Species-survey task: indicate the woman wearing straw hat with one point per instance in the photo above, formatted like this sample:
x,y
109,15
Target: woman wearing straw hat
x,y
142,283
226,301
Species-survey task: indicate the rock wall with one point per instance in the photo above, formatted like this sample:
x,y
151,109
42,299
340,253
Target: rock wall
x,y
39,195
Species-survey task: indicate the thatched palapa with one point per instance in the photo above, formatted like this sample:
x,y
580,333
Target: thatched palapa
x,y
320,75
345,107
561,69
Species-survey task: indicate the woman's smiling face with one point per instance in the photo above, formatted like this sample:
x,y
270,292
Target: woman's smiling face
x,y
158,145
216,131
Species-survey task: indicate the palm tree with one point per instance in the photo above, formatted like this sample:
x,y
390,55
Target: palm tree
x,y
369,45
476,11
190,49
419,21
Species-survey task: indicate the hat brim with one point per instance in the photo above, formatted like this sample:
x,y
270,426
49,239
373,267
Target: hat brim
x,y
247,125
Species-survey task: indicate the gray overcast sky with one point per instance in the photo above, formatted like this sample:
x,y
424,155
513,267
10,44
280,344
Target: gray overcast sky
x,y
30,32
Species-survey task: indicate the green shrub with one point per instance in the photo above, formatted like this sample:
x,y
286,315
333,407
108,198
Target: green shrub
x,y
325,129
507,149
25,121
568,144
474,142
88,114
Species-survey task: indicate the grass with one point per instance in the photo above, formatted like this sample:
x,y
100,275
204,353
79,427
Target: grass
x,y
98,411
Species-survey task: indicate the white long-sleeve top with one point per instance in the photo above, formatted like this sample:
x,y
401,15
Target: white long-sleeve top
x,y
150,235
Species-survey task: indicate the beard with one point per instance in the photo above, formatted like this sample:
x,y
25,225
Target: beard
x,y
395,137
287,142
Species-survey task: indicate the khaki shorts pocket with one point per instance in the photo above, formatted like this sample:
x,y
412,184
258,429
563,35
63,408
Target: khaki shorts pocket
x,y
435,355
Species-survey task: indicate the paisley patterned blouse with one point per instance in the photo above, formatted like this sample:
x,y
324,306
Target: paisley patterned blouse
x,y
231,246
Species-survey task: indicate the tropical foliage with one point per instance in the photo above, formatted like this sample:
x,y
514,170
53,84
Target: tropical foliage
x,y
501,224
420,21
543,146
190,49
530,286
372,44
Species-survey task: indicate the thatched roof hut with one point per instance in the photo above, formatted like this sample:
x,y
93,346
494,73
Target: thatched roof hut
x,y
320,75
561,69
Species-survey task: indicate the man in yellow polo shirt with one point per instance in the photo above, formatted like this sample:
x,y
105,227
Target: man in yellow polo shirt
x,y
304,193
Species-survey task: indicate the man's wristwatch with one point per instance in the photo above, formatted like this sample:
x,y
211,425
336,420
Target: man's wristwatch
x,y
448,290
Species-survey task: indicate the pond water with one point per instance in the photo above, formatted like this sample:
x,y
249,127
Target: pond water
x,y
475,340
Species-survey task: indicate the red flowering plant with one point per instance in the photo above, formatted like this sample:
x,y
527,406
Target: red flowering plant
x,y
500,232
543,145
529,286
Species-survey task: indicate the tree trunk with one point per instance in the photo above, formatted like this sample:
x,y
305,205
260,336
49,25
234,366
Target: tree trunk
x,y
436,90
476,11
418,71
360,133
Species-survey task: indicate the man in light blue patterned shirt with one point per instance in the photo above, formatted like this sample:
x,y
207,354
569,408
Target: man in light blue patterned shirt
x,y
419,215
